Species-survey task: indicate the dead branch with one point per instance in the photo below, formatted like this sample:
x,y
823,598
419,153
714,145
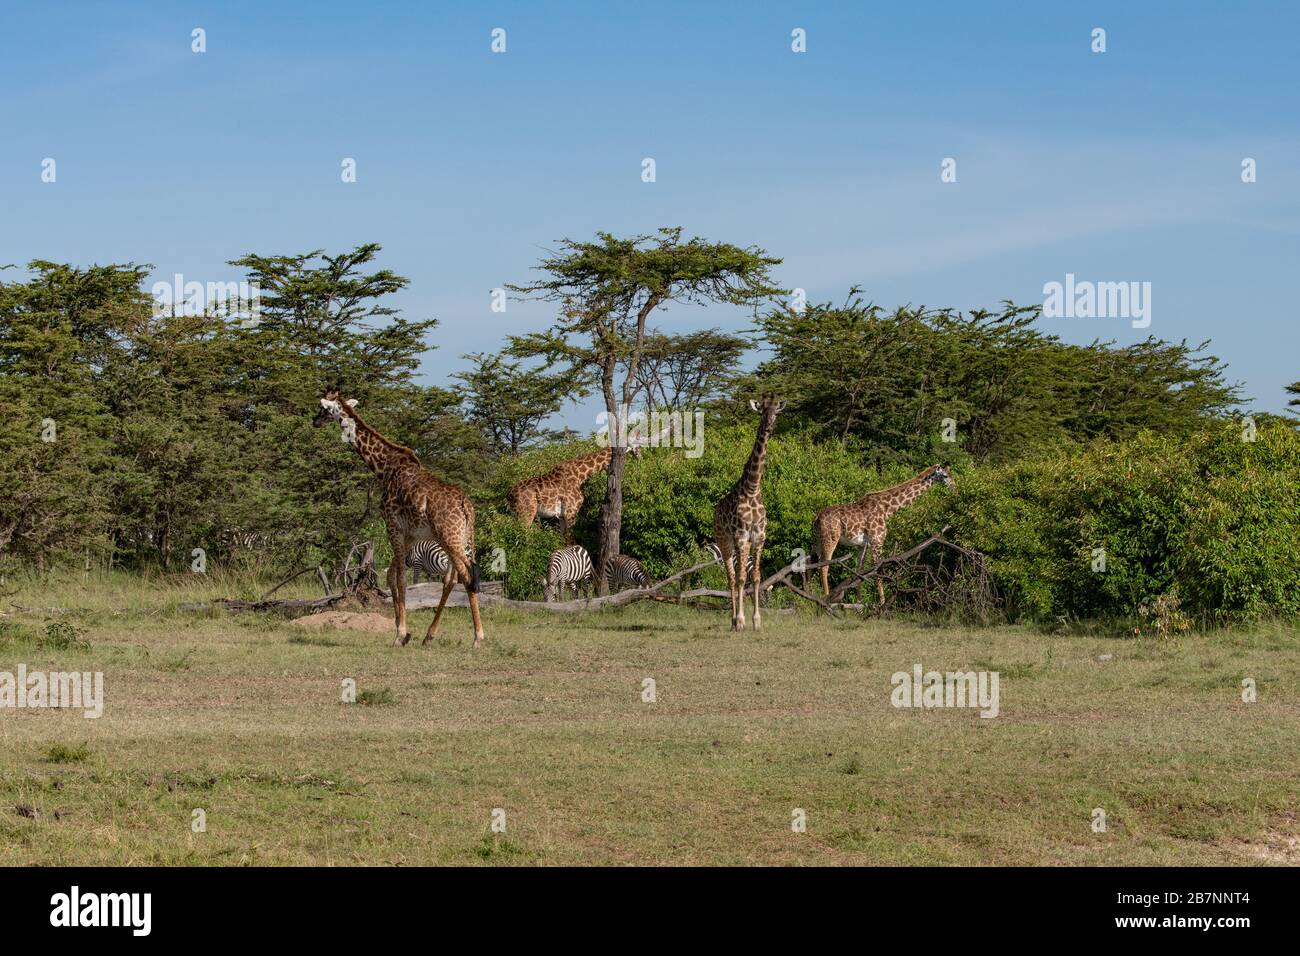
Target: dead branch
x,y
838,592
297,574
578,604
357,584
931,591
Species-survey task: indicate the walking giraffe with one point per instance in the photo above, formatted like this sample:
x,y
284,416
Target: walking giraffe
x,y
558,493
416,507
740,520
866,521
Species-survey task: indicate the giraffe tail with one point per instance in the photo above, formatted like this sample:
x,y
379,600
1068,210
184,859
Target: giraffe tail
x,y
472,586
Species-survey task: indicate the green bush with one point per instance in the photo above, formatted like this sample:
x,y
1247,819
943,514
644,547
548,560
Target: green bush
x,y
668,499
1213,517
524,553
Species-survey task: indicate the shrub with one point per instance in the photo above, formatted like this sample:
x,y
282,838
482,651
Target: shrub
x,y
376,698
66,753
524,551
1213,517
64,635
668,499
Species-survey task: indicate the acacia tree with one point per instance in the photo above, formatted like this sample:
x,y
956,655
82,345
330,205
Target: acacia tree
x,y
327,319
685,371
607,290
59,330
509,402
885,381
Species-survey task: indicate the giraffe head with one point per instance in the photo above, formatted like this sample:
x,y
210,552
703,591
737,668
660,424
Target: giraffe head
x,y
635,445
333,406
768,408
941,475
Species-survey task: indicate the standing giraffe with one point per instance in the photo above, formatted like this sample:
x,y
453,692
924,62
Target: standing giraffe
x,y
740,519
558,493
866,520
416,507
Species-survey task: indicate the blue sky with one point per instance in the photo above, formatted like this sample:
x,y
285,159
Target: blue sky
x,y
1122,166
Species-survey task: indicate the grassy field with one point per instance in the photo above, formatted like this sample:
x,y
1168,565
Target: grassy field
x,y
241,716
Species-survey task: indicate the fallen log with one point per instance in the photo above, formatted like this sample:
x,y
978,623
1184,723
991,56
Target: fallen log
x,y
458,599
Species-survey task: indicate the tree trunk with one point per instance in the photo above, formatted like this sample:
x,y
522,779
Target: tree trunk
x,y
611,512
611,516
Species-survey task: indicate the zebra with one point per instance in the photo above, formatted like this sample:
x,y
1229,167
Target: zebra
x,y
571,565
716,553
427,556
621,570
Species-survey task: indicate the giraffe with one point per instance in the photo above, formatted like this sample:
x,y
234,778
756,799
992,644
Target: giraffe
x,y
416,507
558,493
865,521
740,519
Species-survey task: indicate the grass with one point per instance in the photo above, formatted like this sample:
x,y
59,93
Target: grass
x,y
65,753
241,717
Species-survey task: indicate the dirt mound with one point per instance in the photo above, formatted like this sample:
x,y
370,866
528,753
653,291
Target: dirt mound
x,y
345,621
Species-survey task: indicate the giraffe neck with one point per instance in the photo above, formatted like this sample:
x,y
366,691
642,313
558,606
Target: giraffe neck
x,y
375,450
596,461
588,465
900,496
751,480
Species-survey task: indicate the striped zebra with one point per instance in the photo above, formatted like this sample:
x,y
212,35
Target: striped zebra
x,y
571,565
716,554
427,556
621,570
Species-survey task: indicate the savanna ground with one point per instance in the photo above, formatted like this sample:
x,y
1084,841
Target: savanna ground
x,y
241,716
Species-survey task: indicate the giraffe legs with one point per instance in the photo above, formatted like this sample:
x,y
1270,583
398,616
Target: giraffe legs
x,y
474,615
726,547
758,557
742,558
862,563
397,584
569,508
878,552
458,570
448,582
826,551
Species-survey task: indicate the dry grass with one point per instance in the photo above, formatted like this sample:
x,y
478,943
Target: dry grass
x,y
242,717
